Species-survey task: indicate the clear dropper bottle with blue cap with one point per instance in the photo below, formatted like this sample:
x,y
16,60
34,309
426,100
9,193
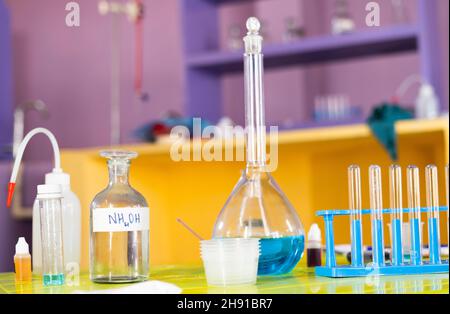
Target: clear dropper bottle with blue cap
x,y
257,208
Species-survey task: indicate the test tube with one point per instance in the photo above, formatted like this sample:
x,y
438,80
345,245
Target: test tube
x,y
396,201
354,189
376,204
413,176
433,213
49,200
447,196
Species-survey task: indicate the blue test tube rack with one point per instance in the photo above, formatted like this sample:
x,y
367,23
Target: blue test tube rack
x,y
434,265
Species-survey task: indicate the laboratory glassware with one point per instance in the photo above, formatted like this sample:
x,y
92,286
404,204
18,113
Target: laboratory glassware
x,y
432,185
50,211
234,38
411,236
355,200
427,103
396,201
292,31
314,250
257,208
119,222
447,197
71,220
413,180
71,209
22,261
400,12
341,22
376,204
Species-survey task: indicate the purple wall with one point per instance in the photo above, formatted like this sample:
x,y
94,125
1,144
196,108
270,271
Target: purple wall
x,y
10,229
69,68
5,82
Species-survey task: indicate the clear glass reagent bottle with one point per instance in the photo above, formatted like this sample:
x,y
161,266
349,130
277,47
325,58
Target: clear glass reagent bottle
x,y
119,248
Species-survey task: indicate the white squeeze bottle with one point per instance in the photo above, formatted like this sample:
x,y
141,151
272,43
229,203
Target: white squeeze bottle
x,y
71,219
427,103
71,209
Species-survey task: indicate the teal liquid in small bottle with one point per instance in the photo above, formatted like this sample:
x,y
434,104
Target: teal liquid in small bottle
x,y
53,280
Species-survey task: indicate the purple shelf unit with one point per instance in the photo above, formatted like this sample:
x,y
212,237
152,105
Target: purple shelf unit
x,y
317,49
205,63
6,88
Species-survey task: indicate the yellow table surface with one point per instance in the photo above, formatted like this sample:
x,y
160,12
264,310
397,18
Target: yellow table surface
x,y
302,280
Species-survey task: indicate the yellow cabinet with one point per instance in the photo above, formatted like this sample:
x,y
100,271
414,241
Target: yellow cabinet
x,y
312,172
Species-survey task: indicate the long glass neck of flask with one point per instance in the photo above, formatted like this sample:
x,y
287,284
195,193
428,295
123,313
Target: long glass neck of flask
x,y
254,110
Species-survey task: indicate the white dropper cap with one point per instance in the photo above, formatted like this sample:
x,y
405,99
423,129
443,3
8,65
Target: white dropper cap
x,y
22,247
314,235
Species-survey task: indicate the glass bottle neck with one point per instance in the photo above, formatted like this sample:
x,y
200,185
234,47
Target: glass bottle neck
x,y
118,172
254,107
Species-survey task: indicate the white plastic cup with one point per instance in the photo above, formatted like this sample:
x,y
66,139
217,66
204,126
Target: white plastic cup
x,y
230,262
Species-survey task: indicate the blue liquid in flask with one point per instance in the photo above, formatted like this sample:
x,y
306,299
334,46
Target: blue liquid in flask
x,y
280,255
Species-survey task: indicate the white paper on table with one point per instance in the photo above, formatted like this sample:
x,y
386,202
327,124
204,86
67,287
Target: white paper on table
x,y
148,287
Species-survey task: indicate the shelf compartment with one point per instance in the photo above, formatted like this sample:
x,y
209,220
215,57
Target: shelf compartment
x,y
317,49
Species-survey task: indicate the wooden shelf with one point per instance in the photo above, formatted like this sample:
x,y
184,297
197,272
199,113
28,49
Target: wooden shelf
x,y
317,49
326,134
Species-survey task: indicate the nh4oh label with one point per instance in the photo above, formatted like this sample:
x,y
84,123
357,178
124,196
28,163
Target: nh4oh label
x,y
120,219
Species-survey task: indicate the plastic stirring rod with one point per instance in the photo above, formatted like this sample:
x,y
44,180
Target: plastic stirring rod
x,y
413,181
433,213
354,189
396,201
376,204
195,234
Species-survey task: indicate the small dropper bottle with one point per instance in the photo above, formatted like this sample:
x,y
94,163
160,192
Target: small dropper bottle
x,y
22,261
314,251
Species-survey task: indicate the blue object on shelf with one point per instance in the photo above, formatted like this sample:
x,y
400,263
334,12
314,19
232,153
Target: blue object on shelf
x,y
332,270
382,124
